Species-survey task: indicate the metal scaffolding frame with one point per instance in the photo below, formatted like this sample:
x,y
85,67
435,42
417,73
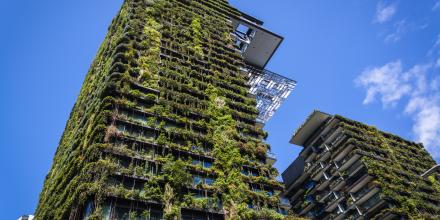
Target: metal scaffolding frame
x,y
270,89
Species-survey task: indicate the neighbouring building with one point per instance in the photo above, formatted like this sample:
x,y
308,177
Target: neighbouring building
x,y
168,123
349,170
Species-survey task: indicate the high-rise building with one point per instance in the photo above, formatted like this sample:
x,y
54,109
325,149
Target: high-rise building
x,y
349,170
166,125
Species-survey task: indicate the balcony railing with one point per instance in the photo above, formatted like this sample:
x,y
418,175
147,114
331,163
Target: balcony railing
x,y
360,193
321,168
324,153
338,181
332,198
342,162
322,195
354,167
374,200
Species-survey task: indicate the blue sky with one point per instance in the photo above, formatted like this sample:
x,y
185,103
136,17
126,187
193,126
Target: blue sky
x,y
372,61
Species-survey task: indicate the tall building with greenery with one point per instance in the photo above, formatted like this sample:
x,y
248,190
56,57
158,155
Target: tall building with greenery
x,y
165,126
349,170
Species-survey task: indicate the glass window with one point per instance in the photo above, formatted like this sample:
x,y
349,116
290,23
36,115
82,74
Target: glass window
x,y
155,216
254,173
196,180
209,181
88,210
207,164
196,162
270,193
283,211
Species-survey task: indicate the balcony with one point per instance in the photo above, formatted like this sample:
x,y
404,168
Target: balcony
x,y
353,168
370,204
323,182
319,170
320,197
270,158
357,180
311,152
333,169
340,211
332,200
308,204
257,46
325,154
342,161
256,43
350,214
358,194
338,183
364,194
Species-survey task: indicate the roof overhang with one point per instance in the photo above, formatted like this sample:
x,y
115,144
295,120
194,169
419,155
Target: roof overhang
x,y
263,45
314,121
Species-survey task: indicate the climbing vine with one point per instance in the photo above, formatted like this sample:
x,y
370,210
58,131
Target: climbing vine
x,y
196,28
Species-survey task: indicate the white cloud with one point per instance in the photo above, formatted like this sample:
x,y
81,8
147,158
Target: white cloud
x,y
425,112
435,84
418,88
385,12
436,47
387,82
417,75
437,43
438,63
401,28
436,6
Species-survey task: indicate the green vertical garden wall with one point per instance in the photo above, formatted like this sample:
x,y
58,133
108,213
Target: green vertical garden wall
x,y
164,92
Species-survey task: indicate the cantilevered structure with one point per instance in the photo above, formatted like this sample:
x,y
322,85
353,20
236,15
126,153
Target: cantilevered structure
x,y
348,170
165,126
257,46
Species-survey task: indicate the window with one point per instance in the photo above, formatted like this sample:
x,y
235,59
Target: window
x,y
270,193
207,164
209,181
242,29
249,172
283,211
196,162
285,201
203,180
197,180
202,163
88,210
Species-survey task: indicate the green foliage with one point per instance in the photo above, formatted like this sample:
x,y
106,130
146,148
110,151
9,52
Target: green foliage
x,y
397,172
149,61
264,213
201,88
175,173
196,28
171,211
152,190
